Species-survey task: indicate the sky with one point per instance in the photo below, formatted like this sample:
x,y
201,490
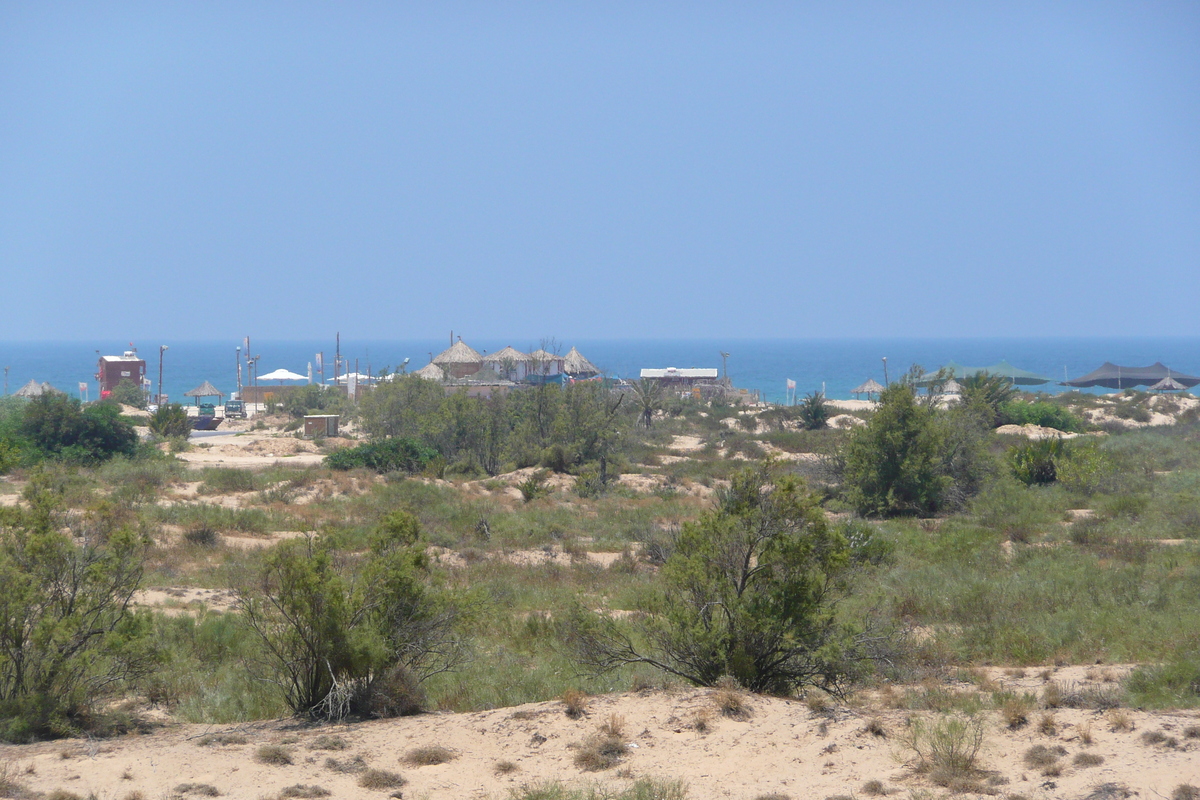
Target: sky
x,y
599,170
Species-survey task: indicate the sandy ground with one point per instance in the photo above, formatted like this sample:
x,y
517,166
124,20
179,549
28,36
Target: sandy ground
x,y
780,748
250,449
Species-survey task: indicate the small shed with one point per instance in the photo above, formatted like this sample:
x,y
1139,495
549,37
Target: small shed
x,y
321,425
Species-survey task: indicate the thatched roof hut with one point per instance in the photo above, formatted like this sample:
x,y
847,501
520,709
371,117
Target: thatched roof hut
x,y
431,372
205,389
35,389
869,388
509,353
459,359
578,366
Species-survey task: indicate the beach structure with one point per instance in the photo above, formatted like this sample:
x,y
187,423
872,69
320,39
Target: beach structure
x,y
459,360
1002,369
577,366
205,389
34,389
871,387
1115,376
112,370
673,377
509,363
545,367
1168,384
431,372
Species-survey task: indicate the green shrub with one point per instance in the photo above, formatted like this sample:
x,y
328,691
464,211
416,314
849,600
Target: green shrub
x,y
399,454
1035,462
227,480
1047,415
170,420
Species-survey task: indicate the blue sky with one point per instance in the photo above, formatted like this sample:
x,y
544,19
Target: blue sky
x,y
669,170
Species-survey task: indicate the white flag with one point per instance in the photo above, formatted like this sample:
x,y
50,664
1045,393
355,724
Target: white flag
x,y
791,384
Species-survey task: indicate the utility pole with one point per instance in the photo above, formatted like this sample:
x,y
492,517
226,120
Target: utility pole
x,y
725,366
162,348
885,377
6,381
238,361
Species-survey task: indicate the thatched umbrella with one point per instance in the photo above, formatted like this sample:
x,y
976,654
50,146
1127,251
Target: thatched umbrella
x,y
869,388
431,372
459,359
35,389
205,389
577,366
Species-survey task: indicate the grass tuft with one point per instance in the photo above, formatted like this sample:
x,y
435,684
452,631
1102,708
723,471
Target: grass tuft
x,y
429,756
275,754
381,779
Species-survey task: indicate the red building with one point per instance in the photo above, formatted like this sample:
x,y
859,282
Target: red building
x,y
113,369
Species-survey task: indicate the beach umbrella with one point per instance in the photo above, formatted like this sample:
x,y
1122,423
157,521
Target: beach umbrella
x,y
282,375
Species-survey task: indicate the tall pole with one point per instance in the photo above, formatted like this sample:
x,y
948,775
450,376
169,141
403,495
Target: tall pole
x,y
6,381
238,361
885,377
162,348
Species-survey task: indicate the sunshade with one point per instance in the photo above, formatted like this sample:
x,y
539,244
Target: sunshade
x,y
282,375
1115,376
205,389
1002,369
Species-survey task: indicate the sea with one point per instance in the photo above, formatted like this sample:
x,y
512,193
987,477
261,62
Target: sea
x,y
835,366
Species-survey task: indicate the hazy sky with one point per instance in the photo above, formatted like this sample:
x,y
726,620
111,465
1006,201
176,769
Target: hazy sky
x,y
594,170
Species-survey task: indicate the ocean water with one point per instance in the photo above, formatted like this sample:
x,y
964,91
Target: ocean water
x,y
837,365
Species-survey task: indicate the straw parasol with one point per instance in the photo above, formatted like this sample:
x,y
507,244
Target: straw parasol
x,y
205,389
1168,384
869,388
35,389
459,359
576,365
431,372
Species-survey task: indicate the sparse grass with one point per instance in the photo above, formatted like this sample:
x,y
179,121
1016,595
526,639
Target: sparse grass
x,y
947,747
1048,724
642,789
428,756
274,754
1040,756
505,767
1119,721
1014,711
1185,791
381,779
1087,760
199,789
1155,738
604,748
730,701
875,727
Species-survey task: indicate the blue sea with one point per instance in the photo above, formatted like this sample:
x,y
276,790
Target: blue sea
x,y
835,365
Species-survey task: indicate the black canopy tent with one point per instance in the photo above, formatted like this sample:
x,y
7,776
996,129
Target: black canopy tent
x,y
1114,376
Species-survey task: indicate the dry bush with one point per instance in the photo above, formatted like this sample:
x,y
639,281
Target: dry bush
x,y
818,702
701,721
275,754
1087,760
428,756
1119,720
575,703
1152,738
1185,791
133,795
381,779
731,702
1085,734
1042,757
303,790
875,788
1052,695
505,767
1015,711
1191,732
202,789
10,787
1048,725
222,739
328,742
62,794
350,766
604,748
875,727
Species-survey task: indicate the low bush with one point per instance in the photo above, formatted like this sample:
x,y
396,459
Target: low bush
x,y
274,754
381,779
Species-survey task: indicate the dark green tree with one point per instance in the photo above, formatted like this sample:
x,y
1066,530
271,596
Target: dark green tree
x,y
893,464
170,420
748,591
58,427
649,396
987,393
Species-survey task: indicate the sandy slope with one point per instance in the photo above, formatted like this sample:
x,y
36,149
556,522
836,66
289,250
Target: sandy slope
x,y
781,747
